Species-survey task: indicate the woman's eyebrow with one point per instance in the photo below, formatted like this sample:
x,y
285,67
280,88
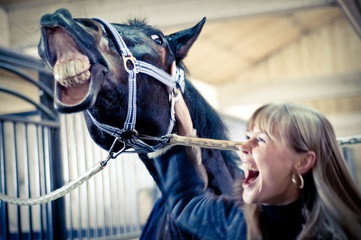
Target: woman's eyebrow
x,y
257,132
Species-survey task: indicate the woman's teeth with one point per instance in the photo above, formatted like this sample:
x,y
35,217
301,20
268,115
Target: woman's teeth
x,y
248,166
251,173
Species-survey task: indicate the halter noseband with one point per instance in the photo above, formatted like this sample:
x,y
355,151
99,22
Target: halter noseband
x,y
137,66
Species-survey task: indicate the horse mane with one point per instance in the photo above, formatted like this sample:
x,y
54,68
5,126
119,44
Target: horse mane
x,y
208,122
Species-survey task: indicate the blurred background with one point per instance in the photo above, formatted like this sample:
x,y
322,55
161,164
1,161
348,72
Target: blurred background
x,y
249,52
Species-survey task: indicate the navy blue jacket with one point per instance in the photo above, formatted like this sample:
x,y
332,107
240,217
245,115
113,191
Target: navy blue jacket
x,y
194,209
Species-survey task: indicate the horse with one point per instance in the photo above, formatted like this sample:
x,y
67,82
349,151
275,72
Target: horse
x,y
123,76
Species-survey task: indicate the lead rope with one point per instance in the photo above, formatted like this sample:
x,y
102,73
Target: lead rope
x,y
173,140
58,192
66,188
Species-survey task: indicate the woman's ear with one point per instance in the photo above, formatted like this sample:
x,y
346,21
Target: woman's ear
x,y
305,162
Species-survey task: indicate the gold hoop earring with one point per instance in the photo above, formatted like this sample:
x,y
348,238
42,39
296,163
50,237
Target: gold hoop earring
x,y
300,184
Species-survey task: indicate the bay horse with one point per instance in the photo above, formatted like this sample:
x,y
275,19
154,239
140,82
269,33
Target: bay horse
x,y
122,76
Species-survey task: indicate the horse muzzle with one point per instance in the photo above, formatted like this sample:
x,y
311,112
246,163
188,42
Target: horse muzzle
x,y
70,47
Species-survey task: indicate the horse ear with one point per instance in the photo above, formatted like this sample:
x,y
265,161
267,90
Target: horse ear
x,y
180,42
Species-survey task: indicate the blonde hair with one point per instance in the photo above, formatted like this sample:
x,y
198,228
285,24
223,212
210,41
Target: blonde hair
x,y
332,202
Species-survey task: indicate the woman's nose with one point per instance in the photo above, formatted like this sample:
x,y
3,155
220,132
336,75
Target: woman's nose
x,y
246,147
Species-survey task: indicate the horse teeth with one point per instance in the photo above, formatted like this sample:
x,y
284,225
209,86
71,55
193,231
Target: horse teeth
x,y
85,76
71,73
70,69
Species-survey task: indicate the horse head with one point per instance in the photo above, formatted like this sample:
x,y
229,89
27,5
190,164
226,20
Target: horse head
x,y
91,74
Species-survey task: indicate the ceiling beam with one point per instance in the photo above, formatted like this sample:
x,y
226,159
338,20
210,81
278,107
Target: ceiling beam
x,y
24,17
302,89
4,29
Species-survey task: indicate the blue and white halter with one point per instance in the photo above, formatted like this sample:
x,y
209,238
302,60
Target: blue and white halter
x,y
177,81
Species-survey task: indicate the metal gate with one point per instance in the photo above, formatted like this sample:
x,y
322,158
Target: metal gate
x,y
25,170
41,151
111,204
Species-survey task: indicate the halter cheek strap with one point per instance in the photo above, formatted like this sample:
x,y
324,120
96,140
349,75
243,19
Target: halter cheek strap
x,y
134,66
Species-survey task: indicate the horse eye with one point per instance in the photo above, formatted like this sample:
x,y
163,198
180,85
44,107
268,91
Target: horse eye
x,y
157,39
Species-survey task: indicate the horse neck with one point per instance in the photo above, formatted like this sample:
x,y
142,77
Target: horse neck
x,y
206,120
209,124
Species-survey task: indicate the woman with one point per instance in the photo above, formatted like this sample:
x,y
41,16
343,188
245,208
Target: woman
x,y
297,180
296,186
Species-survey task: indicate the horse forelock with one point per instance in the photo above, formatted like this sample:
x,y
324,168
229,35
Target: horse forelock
x,y
137,22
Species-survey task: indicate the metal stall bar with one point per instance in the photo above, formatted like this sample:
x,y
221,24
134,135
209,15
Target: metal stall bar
x,y
4,231
66,177
122,184
101,231
77,159
40,106
34,179
38,183
91,188
26,77
68,159
27,167
47,160
136,226
115,200
83,200
82,166
23,61
23,170
74,171
16,179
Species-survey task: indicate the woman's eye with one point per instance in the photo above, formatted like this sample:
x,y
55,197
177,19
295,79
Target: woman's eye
x,y
259,139
157,39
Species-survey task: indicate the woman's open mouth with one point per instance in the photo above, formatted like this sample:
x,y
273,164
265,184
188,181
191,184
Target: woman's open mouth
x,y
251,174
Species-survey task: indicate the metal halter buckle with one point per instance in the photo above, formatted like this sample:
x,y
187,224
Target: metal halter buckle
x,y
129,64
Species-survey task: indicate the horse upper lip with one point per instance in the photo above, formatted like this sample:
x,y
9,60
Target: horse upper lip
x,y
62,21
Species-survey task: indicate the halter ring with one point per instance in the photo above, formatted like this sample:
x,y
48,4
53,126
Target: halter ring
x,y
131,61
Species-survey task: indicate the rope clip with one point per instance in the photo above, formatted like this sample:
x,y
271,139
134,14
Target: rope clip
x,y
112,154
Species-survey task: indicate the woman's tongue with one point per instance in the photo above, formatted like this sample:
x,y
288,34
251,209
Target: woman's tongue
x,y
251,177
